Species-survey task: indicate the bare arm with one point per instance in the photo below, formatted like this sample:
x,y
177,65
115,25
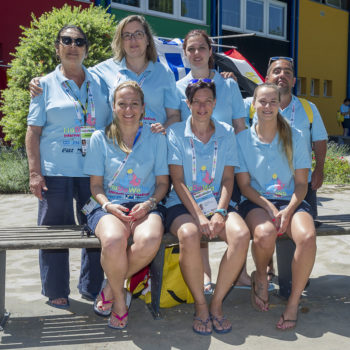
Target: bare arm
x,y
238,125
320,149
36,179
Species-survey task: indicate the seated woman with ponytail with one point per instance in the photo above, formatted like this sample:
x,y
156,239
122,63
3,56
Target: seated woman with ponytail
x,y
129,177
274,164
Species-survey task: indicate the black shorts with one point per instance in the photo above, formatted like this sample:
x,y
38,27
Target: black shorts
x,y
246,206
94,217
179,209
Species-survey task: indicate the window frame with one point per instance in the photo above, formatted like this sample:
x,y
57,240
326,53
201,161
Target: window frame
x,y
176,15
265,32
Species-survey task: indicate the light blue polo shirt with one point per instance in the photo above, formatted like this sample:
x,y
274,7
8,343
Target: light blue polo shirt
x,y
345,109
137,179
299,120
54,111
180,153
267,164
229,102
157,83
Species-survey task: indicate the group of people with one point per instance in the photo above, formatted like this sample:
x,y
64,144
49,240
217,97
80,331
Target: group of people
x,y
110,136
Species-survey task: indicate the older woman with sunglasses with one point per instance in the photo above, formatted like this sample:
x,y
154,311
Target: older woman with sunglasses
x,y
229,107
60,122
202,155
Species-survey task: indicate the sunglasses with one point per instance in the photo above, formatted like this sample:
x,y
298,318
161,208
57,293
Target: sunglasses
x,y
139,34
276,58
194,81
67,40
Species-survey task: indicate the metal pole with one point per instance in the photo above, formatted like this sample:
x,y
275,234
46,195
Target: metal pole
x,y
3,314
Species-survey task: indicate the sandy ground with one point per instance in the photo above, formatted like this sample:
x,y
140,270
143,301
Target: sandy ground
x,y
324,317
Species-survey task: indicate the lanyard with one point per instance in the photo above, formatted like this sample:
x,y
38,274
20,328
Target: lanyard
x,y
121,166
77,103
292,116
194,161
140,82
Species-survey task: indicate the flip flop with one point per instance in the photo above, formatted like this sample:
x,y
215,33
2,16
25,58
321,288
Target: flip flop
x,y
120,318
208,291
220,321
204,323
58,306
98,310
284,321
254,295
270,287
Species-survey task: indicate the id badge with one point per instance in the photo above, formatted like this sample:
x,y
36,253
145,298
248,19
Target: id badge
x,y
206,202
90,205
85,135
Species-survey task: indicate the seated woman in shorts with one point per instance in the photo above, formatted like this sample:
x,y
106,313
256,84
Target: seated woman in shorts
x,y
202,155
129,176
274,164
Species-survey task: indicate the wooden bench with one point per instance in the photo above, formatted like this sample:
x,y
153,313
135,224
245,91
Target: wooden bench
x,y
60,237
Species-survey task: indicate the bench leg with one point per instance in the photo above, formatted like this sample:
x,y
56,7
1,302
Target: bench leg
x,y
156,272
285,249
3,314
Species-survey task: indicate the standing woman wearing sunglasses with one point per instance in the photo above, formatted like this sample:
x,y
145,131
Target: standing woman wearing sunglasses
x,y
61,120
229,103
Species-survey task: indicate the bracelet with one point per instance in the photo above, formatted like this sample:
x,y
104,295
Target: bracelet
x,y
153,203
105,205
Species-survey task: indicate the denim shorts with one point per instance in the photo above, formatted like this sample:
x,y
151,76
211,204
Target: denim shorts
x,y
179,209
94,217
245,207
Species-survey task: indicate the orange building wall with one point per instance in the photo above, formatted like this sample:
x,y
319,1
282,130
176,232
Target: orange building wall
x,y
323,55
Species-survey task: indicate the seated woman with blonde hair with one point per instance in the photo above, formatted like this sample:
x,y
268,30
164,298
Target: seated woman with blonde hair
x,y
273,178
129,177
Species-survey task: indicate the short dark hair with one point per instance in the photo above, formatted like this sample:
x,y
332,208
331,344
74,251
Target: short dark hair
x,y
72,26
192,88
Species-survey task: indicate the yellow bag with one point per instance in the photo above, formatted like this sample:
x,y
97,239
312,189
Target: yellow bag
x,y
340,117
174,290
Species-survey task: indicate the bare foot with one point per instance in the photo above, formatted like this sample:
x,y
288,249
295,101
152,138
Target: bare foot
x,y
288,319
104,300
59,301
119,316
201,320
259,292
220,323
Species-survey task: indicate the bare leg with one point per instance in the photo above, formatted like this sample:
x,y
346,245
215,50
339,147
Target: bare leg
x,y
243,278
191,266
264,238
113,235
302,231
206,267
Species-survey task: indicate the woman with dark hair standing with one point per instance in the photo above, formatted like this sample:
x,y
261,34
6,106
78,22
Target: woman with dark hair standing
x,y
128,169
202,158
61,120
273,178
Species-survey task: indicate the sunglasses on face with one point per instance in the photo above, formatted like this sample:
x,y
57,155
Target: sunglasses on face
x,y
67,40
139,34
194,81
276,58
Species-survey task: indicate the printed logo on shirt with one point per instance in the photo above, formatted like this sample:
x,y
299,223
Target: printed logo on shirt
x,y
276,188
204,182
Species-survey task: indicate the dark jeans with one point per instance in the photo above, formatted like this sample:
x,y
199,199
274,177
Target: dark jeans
x,y
56,208
311,198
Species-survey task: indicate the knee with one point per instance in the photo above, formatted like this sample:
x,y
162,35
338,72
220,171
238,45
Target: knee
x,y
189,237
241,238
264,238
307,239
148,243
112,244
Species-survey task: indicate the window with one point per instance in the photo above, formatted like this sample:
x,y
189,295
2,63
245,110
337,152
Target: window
x,y
334,3
231,13
186,10
327,88
301,86
315,87
264,17
255,15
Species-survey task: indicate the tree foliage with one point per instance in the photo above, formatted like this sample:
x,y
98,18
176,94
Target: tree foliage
x,y
35,56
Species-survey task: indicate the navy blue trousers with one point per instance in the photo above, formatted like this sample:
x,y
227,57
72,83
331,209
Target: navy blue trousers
x,y
56,208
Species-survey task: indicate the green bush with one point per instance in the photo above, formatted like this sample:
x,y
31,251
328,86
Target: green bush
x,y
336,166
35,56
14,172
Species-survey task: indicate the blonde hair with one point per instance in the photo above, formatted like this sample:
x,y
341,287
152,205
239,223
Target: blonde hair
x,y
117,42
112,130
283,128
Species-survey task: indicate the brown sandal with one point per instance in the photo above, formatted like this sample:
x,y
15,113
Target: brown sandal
x,y
254,295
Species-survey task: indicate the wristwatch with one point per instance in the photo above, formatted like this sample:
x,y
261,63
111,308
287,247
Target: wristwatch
x,y
222,212
153,203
